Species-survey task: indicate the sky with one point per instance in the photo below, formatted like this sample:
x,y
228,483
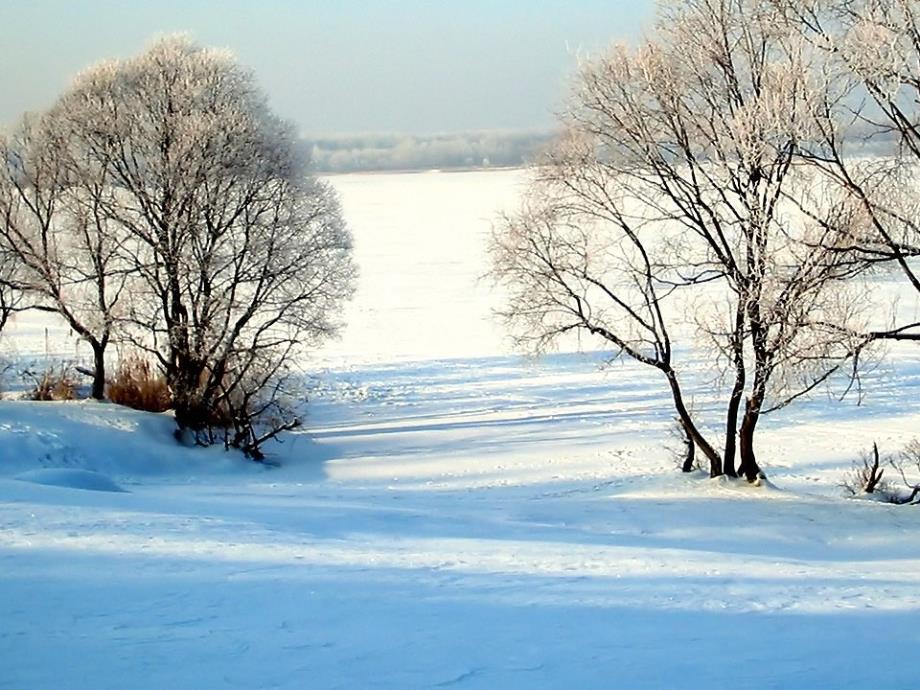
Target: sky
x,y
337,67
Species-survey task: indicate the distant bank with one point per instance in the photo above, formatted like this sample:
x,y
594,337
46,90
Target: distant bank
x,y
397,152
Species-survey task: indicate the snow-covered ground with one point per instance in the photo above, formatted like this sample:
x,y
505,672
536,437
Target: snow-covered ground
x,y
454,516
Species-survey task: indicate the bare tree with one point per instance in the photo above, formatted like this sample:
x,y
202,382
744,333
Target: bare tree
x,y
570,263
243,258
675,185
63,250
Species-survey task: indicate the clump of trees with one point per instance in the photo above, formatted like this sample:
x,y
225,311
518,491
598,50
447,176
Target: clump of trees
x,y
160,202
704,189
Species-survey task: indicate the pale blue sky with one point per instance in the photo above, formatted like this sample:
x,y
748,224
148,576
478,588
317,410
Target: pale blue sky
x,y
337,67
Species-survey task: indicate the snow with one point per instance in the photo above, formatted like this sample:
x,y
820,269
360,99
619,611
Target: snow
x,y
86,480
453,515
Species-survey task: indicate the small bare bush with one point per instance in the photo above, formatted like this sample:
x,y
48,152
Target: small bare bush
x,y
139,385
908,462
54,384
253,405
867,476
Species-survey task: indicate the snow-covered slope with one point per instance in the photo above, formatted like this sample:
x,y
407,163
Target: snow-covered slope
x,y
454,516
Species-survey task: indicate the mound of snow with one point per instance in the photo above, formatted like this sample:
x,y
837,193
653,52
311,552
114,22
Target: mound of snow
x,y
128,445
70,478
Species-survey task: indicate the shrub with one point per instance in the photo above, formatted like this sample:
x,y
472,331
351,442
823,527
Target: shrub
x,y
139,385
909,455
253,404
866,476
54,384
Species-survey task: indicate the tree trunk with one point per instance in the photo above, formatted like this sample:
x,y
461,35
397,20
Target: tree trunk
x,y
731,427
715,460
690,454
734,401
191,411
98,392
749,467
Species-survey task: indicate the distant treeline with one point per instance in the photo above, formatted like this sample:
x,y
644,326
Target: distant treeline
x,y
481,149
376,152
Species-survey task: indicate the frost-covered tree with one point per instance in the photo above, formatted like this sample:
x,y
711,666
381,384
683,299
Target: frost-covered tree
x,y
64,253
159,196
866,135
243,258
673,191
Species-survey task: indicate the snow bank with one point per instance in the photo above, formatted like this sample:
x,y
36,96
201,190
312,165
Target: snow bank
x,y
70,479
127,445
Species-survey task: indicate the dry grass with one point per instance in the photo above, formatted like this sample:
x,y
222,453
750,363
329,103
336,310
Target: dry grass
x,y
139,385
55,384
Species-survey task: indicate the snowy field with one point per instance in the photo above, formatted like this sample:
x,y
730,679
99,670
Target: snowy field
x,y
454,516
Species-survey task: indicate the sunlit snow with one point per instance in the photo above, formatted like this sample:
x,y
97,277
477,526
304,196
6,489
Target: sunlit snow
x,y
452,515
